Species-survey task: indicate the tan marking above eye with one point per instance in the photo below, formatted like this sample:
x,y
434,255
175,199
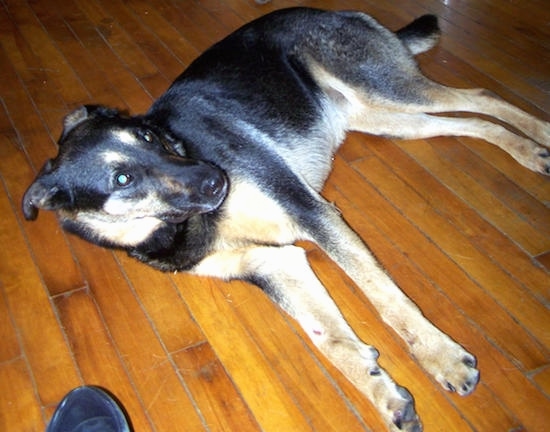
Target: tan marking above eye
x,y
110,157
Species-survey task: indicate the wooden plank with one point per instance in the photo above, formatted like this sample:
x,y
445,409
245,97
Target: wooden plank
x,y
223,15
535,184
177,32
247,10
445,164
221,405
165,308
193,20
438,308
466,218
505,290
96,354
495,30
298,371
542,380
243,361
122,81
117,38
163,395
23,115
485,44
501,18
18,403
156,39
77,56
41,337
48,85
544,260
9,348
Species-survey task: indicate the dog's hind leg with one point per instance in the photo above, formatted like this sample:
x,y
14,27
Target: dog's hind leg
x,y
480,101
421,35
408,125
531,151
410,116
285,275
373,80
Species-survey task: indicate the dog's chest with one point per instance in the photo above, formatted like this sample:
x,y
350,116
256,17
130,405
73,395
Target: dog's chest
x,y
251,216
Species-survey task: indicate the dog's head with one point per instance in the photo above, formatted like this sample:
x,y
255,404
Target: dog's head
x,y
115,180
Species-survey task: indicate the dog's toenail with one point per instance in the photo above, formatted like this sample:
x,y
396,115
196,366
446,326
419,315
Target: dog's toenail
x,y
397,419
470,361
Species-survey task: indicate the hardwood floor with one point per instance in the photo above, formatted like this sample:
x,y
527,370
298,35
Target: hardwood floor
x,y
462,228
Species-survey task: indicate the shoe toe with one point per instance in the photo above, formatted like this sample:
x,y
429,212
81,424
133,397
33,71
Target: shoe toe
x,y
88,409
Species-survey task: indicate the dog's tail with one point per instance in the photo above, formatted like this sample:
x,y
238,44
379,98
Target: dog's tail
x,y
420,35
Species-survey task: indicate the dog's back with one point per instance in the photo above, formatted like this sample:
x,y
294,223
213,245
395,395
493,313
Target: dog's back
x,y
284,84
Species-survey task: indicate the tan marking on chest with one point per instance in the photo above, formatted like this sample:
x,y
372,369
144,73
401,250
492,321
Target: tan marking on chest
x,y
252,216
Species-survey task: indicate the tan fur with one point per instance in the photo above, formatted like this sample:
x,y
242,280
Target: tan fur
x,y
250,216
126,232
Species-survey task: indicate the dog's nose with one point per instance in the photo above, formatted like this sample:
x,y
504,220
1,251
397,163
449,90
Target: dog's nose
x,y
213,186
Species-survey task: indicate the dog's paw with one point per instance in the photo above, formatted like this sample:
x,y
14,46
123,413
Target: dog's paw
x,y
402,412
455,369
460,375
450,364
541,160
532,155
394,403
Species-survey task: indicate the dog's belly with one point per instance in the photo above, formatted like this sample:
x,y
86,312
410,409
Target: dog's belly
x,y
251,216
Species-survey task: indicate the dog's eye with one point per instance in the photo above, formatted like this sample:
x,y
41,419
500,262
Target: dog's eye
x,y
148,136
123,179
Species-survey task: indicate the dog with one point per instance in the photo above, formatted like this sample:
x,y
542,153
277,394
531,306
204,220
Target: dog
x,y
222,176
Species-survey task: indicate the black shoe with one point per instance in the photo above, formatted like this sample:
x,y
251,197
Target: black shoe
x,y
88,409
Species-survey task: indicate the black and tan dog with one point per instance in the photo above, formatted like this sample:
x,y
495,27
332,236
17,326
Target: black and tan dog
x,y
223,175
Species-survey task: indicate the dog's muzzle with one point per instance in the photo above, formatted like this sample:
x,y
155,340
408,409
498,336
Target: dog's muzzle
x,y
196,188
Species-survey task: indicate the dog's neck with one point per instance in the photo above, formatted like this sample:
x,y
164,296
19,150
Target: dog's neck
x,y
178,247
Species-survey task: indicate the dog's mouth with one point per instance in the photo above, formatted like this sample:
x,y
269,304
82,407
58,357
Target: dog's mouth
x,y
174,218
178,217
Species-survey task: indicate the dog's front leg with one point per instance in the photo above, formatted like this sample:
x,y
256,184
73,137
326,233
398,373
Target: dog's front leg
x,y
285,275
448,362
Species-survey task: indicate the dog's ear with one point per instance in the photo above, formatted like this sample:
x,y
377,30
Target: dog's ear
x,y
82,114
44,193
